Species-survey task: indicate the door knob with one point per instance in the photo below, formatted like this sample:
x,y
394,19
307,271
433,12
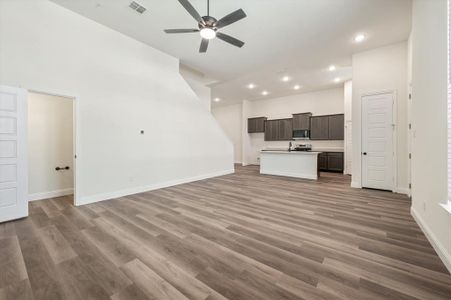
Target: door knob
x,y
364,153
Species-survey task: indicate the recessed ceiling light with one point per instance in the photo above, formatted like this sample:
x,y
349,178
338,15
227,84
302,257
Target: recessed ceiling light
x,y
337,80
265,93
251,86
297,87
217,99
332,68
286,78
359,38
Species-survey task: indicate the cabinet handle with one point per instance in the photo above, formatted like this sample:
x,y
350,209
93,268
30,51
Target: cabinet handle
x,y
364,153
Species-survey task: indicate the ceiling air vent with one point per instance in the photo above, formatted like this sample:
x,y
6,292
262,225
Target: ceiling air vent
x,y
137,7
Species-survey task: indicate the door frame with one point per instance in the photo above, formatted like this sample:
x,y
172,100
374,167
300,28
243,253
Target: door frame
x,y
394,135
75,134
409,138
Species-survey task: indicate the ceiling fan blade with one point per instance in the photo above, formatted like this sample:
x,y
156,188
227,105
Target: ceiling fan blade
x,y
229,39
231,18
191,10
181,30
203,46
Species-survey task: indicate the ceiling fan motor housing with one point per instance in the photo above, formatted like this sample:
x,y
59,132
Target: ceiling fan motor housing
x,y
209,21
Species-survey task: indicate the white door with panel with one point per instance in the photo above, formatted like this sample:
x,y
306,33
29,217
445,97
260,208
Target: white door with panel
x,y
377,141
13,154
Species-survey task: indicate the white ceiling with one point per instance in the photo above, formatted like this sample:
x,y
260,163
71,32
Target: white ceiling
x,y
299,38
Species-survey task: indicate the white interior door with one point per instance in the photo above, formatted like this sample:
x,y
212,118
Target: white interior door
x,y
13,154
377,141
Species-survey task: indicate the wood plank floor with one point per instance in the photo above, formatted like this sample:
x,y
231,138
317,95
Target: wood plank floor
x,y
240,236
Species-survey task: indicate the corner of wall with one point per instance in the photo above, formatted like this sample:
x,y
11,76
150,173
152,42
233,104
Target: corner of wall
x,y
136,190
435,242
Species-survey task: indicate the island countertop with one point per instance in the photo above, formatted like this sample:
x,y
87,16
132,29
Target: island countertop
x,y
291,152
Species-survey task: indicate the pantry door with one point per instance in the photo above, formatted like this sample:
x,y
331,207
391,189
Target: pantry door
x,y
13,154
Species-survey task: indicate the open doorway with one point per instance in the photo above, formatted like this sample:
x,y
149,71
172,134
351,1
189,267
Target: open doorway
x,y
51,144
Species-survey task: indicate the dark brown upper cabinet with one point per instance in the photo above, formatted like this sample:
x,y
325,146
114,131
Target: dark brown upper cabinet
x,y
301,121
255,125
279,130
285,130
337,127
319,128
329,127
271,130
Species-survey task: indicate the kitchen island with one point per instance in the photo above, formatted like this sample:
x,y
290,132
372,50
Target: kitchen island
x,y
299,164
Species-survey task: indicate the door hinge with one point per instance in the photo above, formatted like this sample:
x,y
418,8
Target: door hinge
x,y
410,96
410,155
410,125
410,186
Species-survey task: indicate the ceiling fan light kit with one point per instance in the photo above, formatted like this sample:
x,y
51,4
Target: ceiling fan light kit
x,y
207,33
208,26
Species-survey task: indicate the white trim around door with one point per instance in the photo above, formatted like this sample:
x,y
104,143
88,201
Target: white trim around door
x,y
75,99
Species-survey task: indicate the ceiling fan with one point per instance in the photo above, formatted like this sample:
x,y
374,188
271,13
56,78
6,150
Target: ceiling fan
x,y
208,26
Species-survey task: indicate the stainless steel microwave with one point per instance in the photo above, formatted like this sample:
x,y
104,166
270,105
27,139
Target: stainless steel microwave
x,y
301,134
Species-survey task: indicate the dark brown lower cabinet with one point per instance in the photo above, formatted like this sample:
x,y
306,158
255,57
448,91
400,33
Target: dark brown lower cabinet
x,y
322,162
331,161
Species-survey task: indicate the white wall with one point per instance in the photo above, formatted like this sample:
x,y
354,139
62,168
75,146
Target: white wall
x,y
348,126
246,145
229,118
429,121
122,86
50,144
318,103
348,100
198,84
382,69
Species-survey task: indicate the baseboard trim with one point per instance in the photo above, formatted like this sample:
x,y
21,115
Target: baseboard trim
x,y
141,189
400,190
52,194
436,244
356,185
